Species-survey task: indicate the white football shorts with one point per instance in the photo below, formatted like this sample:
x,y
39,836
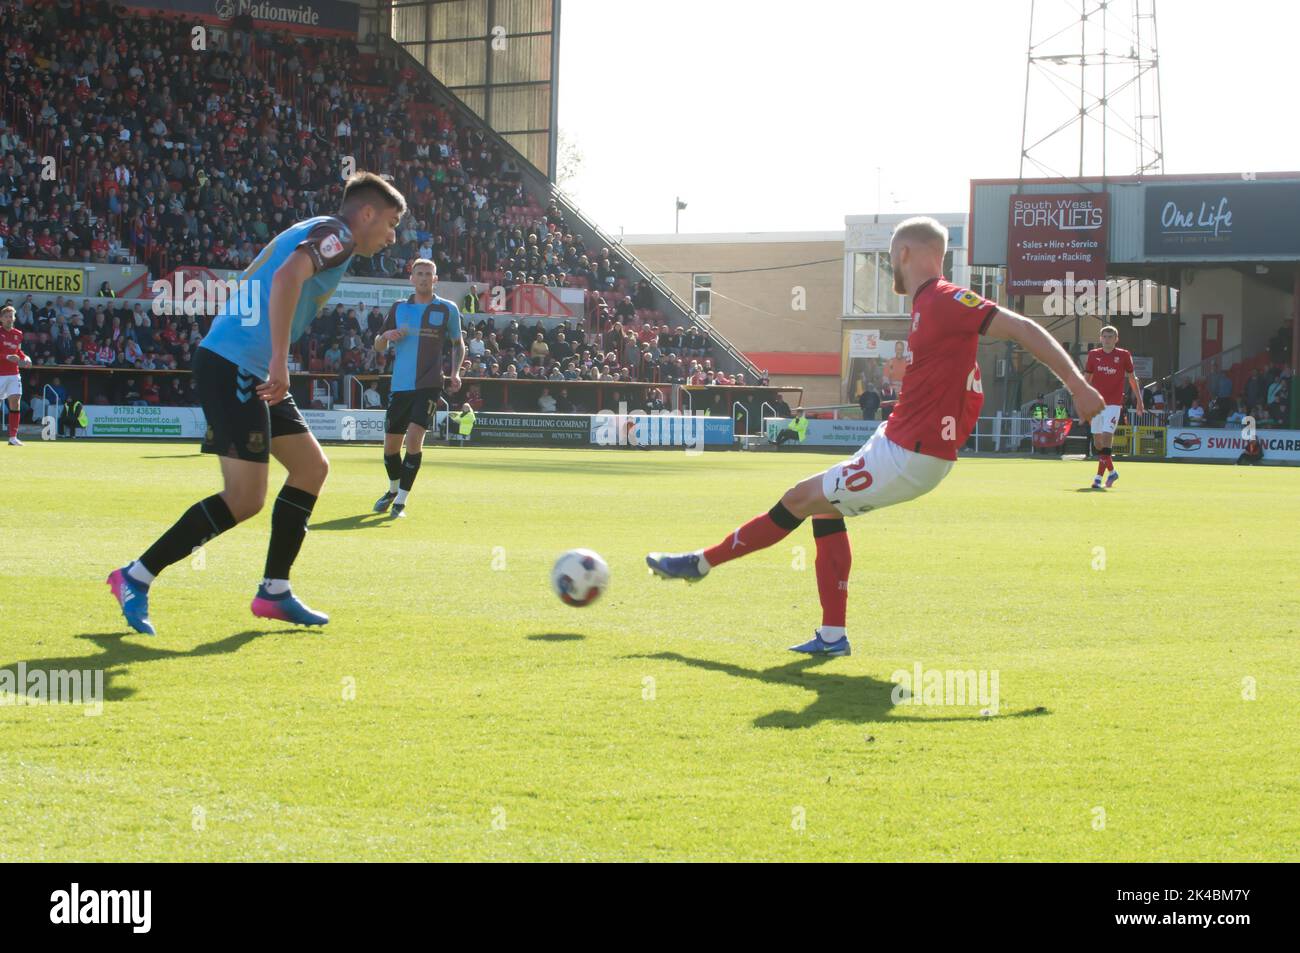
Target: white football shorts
x,y
1107,420
880,474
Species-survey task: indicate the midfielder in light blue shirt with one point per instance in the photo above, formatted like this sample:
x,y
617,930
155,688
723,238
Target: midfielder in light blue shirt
x,y
417,329
241,369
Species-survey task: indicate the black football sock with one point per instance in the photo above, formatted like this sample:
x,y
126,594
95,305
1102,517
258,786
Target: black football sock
x,y
410,467
393,465
205,520
288,529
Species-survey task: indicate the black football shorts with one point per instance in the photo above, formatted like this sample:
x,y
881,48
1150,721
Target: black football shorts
x,y
406,407
240,424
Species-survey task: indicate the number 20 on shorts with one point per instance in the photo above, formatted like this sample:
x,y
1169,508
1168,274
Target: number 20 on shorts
x,y
855,477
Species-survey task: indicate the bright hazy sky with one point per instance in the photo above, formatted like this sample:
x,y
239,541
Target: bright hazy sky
x,y
764,124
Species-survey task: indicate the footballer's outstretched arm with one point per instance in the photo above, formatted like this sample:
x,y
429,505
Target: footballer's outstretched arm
x,y
286,289
1009,326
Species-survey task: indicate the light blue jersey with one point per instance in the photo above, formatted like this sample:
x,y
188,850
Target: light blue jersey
x,y
241,333
418,361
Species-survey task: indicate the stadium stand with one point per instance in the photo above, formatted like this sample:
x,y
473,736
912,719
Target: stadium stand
x,y
173,160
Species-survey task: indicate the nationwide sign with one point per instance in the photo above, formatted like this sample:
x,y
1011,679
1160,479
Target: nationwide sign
x,y
1235,218
1051,237
315,17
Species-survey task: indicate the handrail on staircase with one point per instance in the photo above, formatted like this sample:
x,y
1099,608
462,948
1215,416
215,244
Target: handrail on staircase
x,y
569,208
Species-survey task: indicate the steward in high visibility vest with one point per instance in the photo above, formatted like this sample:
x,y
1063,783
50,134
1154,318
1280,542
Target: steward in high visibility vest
x,y
797,430
462,423
73,416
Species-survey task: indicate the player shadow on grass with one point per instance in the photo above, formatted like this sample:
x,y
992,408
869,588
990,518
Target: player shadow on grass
x,y
118,655
853,698
359,521
555,637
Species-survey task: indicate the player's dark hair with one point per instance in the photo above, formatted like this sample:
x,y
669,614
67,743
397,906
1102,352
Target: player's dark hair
x,y
367,188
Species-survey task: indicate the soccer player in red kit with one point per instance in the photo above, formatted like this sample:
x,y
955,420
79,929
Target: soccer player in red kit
x,y
11,359
911,453
1108,368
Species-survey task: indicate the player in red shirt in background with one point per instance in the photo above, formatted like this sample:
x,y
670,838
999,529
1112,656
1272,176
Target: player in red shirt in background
x,y
1108,367
11,359
913,451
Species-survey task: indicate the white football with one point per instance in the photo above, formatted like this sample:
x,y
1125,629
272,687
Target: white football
x,y
579,577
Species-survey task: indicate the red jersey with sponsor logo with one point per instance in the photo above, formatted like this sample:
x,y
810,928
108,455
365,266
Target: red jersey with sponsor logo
x,y
11,342
942,394
1109,372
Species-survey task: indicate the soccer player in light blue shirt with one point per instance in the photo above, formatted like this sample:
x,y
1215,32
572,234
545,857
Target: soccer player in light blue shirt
x,y
417,329
241,369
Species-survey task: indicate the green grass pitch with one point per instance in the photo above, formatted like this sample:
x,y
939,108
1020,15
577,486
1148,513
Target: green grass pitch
x,y
455,709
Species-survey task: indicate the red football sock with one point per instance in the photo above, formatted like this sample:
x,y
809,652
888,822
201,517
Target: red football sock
x,y
13,423
1110,462
759,533
834,560
1101,466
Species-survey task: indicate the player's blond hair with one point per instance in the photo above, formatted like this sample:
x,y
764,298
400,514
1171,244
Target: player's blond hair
x,y
1112,329
423,261
922,229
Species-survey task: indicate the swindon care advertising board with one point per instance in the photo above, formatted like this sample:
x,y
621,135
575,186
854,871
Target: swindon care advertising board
x,y
1203,443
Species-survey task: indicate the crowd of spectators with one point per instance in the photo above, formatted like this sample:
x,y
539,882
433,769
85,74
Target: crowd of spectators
x,y
122,335
169,157
1265,396
104,333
